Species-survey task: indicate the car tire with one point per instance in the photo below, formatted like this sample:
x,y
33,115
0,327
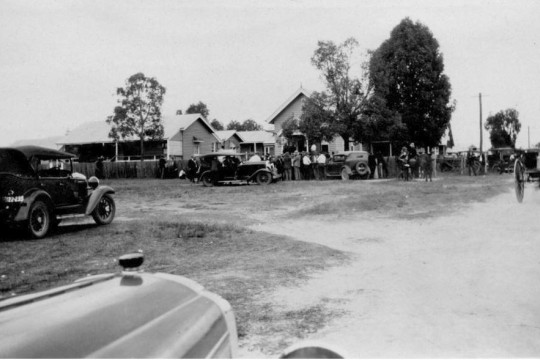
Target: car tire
x,y
362,170
344,174
105,209
207,180
264,178
39,220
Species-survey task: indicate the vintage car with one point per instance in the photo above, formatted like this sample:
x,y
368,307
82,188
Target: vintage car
x,y
348,164
232,170
130,314
38,188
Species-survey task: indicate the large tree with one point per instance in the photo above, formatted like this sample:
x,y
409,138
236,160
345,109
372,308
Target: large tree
x,y
199,108
139,110
317,120
503,128
345,95
407,72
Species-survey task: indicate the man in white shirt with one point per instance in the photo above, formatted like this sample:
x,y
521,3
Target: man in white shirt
x,y
321,164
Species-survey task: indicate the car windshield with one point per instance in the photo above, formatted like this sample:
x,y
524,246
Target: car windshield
x,y
12,161
339,157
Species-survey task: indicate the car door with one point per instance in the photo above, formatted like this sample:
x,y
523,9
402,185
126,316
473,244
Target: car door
x,y
57,183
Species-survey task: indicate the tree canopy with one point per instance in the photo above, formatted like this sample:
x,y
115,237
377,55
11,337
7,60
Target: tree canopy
x,y
503,128
407,72
345,95
199,108
217,125
139,110
247,125
316,122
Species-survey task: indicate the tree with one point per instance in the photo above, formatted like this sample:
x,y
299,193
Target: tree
x,y
379,123
345,96
251,125
217,125
139,112
234,125
199,108
289,127
247,125
407,72
503,128
317,120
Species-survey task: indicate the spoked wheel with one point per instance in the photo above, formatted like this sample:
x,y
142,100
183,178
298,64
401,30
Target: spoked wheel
x,y
39,220
264,178
519,181
207,179
104,212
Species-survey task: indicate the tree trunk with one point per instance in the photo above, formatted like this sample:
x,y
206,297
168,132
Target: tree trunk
x,y
345,141
142,149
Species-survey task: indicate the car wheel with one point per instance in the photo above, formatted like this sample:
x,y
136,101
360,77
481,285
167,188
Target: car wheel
x,y
264,178
344,174
207,179
104,212
362,170
39,220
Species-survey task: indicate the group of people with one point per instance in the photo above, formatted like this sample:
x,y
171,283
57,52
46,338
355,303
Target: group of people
x,y
413,165
296,165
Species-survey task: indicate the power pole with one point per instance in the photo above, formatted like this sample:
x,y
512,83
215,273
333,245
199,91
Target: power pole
x,y
481,153
528,137
480,100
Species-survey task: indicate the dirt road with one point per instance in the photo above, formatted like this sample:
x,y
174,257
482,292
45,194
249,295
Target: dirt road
x,y
464,285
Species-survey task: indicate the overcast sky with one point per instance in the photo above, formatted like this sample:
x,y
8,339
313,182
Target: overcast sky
x,y
61,61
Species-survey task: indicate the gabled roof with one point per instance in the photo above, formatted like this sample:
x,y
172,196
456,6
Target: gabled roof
x,y
250,137
300,91
225,135
98,131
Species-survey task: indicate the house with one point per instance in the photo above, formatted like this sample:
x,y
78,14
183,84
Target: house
x,y
292,109
230,140
184,135
263,142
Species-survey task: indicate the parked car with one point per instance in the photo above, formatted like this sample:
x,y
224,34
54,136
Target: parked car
x,y
130,314
231,170
38,188
348,164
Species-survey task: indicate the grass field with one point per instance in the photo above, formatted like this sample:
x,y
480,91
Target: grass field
x,y
207,234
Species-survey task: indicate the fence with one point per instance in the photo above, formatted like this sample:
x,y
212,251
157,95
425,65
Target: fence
x,y
128,169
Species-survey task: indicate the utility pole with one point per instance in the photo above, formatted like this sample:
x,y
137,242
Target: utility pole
x,y
480,100
528,137
481,153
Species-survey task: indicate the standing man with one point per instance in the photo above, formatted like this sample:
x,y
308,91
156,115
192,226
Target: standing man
x,y
287,166
470,162
296,160
192,169
162,163
321,165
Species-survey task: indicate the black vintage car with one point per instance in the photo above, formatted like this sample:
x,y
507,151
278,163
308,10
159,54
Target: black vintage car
x,y
348,164
38,188
228,168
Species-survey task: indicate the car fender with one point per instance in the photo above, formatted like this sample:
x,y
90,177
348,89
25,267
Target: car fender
x,y
22,214
96,196
254,175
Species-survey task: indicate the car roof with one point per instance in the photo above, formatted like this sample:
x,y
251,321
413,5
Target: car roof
x,y
43,152
222,153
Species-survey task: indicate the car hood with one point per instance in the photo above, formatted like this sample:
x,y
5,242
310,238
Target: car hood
x,y
126,315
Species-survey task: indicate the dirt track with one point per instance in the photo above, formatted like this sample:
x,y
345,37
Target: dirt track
x,y
464,285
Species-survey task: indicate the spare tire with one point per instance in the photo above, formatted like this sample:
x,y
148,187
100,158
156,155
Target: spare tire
x,y
362,169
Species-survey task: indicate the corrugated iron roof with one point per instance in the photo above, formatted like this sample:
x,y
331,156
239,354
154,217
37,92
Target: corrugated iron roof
x,y
98,131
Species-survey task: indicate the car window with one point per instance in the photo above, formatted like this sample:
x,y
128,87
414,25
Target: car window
x,y
339,157
53,168
14,162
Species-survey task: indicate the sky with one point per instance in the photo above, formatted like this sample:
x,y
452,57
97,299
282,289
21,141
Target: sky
x,y
62,61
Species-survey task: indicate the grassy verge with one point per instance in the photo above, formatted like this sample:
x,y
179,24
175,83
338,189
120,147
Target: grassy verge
x,y
236,263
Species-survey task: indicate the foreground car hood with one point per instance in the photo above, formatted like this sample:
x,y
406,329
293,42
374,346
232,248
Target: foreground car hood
x,y
135,315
